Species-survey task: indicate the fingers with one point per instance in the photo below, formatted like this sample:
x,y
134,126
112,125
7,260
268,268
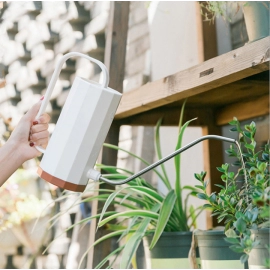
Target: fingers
x,y
43,119
39,138
39,134
41,142
39,127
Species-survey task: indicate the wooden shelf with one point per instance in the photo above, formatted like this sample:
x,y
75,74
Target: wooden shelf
x,y
232,84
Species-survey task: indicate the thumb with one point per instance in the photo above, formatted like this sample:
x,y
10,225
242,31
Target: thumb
x,y
32,113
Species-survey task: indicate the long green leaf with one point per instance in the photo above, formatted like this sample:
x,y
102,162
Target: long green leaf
x,y
108,202
132,224
135,240
118,250
143,190
133,244
101,239
178,145
152,194
165,180
112,169
133,155
123,197
133,213
85,220
177,159
165,212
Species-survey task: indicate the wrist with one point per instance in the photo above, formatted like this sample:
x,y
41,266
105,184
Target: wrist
x,y
16,152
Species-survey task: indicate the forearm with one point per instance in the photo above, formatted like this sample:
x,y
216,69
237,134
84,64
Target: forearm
x,y
10,160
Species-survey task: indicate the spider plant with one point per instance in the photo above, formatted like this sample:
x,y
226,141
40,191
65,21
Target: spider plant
x,y
146,210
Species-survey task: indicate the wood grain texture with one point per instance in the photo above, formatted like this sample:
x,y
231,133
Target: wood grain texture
x,y
206,77
226,102
212,157
115,52
244,110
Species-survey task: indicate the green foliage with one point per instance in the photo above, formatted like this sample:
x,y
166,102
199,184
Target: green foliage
x,y
211,10
146,210
247,207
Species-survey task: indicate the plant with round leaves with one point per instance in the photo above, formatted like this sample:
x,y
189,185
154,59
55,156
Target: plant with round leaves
x,y
248,207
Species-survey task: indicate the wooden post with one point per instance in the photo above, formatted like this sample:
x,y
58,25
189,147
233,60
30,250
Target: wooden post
x,y
212,149
209,39
212,156
115,52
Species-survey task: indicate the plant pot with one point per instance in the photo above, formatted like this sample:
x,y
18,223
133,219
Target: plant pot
x,y
8,242
256,16
30,236
170,252
259,254
215,252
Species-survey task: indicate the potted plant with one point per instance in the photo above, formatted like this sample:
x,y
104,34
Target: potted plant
x,y
162,222
256,15
244,209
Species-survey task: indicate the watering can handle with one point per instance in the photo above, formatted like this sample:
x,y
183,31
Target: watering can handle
x,y
56,75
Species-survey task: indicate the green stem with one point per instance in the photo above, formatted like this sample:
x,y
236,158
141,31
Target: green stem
x,y
159,154
177,162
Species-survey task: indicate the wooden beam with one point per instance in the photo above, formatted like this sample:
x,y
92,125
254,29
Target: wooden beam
x,y
222,70
198,106
170,116
115,52
243,110
231,93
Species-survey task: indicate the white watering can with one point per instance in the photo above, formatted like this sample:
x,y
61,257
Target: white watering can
x,y
80,130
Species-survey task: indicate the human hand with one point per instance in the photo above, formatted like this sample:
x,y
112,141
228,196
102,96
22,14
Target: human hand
x,y
30,132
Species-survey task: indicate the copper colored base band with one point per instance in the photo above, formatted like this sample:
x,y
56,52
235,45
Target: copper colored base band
x,y
59,182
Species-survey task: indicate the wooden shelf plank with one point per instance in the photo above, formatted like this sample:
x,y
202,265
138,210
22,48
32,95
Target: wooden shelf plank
x,y
244,110
206,77
170,117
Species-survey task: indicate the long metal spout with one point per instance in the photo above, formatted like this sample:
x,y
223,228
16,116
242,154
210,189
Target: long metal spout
x,y
150,167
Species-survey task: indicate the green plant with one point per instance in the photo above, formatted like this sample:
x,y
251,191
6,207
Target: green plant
x,y
211,10
241,208
146,210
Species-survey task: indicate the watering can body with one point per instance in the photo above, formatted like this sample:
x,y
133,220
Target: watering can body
x,y
79,134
